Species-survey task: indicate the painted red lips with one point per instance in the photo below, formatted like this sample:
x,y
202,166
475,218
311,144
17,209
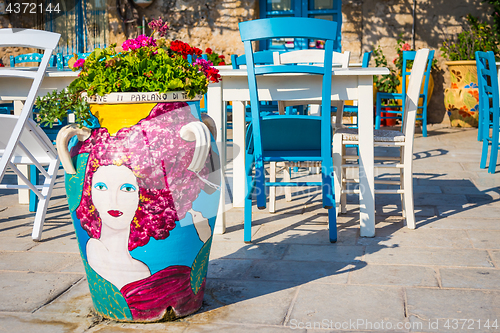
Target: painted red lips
x,y
115,213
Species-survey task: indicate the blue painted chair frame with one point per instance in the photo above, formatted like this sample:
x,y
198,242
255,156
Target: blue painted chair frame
x,y
489,98
295,138
407,56
62,61
31,57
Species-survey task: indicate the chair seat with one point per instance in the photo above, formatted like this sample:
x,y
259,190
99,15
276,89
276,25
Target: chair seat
x,y
351,134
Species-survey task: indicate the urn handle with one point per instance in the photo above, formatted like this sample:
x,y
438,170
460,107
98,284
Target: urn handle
x,y
199,132
66,133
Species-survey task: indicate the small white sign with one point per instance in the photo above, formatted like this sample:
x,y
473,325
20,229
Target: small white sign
x,y
139,97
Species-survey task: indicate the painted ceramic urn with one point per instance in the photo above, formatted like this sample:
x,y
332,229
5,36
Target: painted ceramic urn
x,y
461,99
142,182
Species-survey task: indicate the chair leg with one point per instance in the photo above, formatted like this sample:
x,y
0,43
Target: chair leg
x,y
484,153
378,107
332,224
272,189
287,178
337,167
34,175
401,180
44,203
343,176
408,189
424,120
493,153
247,224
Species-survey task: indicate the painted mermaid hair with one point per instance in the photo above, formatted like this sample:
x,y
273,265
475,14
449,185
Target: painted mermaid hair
x,y
158,157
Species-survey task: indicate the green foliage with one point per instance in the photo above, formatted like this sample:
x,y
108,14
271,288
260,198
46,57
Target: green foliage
x,y
55,106
495,15
143,69
385,83
475,36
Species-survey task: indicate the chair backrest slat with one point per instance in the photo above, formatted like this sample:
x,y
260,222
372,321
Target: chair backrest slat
x,y
313,56
420,64
287,27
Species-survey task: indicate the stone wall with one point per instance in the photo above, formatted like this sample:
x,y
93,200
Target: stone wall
x,y
366,24
211,23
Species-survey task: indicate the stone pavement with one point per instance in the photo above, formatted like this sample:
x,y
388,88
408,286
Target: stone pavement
x,y
442,277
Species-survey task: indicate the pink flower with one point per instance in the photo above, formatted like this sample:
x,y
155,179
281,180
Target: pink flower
x,y
159,26
79,63
140,41
406,47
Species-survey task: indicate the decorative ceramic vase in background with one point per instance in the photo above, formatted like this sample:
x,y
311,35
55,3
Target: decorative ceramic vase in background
x,y
143,191
462,98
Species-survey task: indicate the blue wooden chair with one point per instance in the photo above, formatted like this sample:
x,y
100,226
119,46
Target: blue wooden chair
x,y
398,111
294,138
31,57
489,99
62,60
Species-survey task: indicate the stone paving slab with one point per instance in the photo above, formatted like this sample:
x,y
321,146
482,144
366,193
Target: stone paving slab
x,y
423,237
331,304
485,239
399,255
474,278
395,275
28,291
428,305
36,261
252,302
291,276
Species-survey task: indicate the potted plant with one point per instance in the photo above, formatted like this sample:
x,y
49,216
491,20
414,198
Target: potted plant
x,y
393,82
385,83
462,97
142,176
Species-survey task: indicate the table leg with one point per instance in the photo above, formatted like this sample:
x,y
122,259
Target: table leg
x,y
366,172
217,112
238,154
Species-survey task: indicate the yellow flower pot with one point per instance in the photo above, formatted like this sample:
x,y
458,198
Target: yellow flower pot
x,y
461,99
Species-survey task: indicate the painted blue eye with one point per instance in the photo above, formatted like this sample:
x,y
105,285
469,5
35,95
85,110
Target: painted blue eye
x,y
100,186
128,188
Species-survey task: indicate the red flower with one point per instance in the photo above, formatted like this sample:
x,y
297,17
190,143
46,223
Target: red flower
x,y
208,50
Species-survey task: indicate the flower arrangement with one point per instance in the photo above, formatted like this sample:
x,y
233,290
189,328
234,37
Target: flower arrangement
x,y
144,64
476,36
385,83
216,59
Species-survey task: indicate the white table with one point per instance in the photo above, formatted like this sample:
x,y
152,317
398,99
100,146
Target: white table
x,y
16,89
347,84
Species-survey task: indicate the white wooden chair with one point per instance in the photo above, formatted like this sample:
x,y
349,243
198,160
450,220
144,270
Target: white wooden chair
x,y
22,141
391,138
312,56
